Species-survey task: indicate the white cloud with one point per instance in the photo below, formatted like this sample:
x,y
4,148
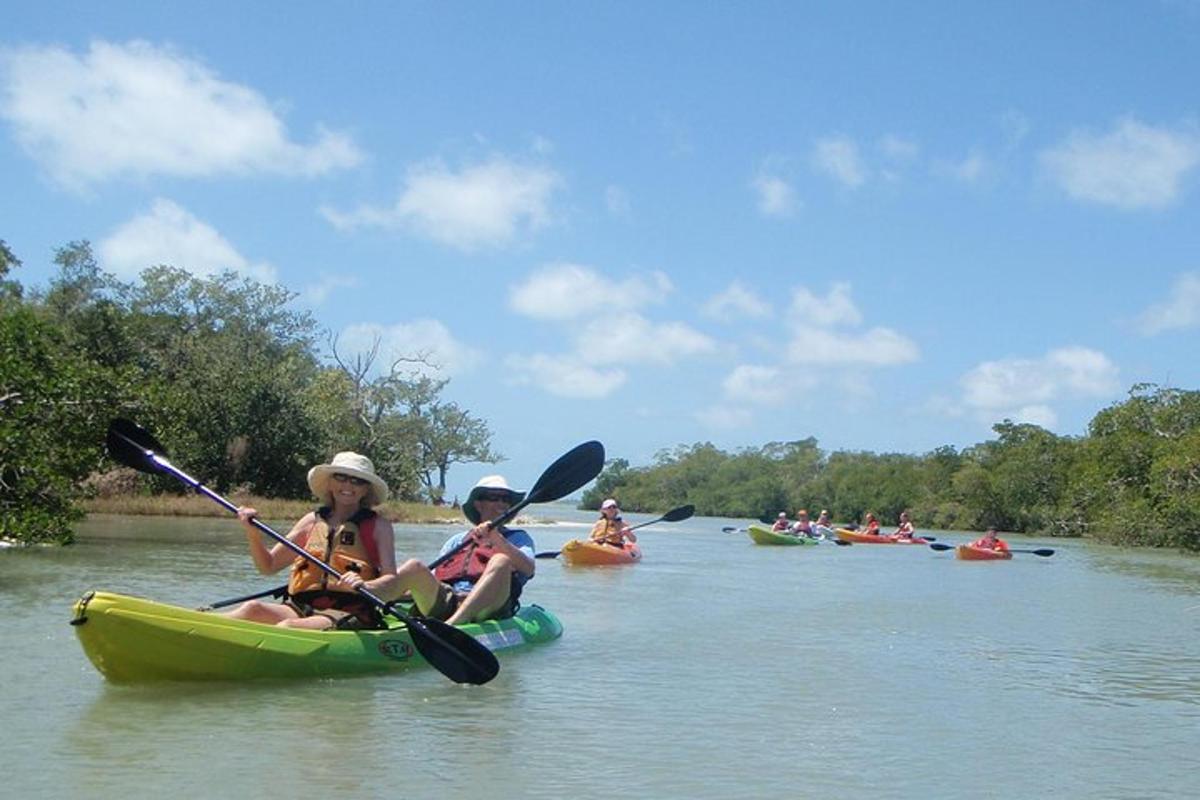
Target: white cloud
x,y
970,169
1133,166
425,338
734,303
137,110
877,347
897,148
485,205
838,157
565,376
316,294
835,308
776,197
1023,388
757,385
723,417
629,338
1178,312
171,235
566,291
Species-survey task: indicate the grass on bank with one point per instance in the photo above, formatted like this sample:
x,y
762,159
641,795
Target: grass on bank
x,y
268,508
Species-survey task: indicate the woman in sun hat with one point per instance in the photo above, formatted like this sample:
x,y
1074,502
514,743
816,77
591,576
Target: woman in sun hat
x,y
345,533
481,572
610,529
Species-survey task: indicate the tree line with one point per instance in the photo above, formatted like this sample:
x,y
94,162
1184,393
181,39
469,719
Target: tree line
x,y
222,368
1133,478
226,371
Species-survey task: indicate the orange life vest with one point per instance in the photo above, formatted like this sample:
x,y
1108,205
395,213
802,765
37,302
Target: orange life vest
x,y
465,564
351,547
608,531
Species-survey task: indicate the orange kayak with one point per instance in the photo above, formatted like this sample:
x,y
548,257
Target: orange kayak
x,y
847,535
580,553
965,552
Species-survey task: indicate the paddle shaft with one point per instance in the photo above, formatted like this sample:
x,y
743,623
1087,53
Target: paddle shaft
x,y
1044,552
200,488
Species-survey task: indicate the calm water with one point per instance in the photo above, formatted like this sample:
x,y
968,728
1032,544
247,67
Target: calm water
x,y
713,669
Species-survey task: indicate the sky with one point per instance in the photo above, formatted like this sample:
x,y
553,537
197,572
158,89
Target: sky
x,y
887,226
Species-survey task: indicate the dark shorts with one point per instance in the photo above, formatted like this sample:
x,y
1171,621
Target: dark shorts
x,y
448,600
344,611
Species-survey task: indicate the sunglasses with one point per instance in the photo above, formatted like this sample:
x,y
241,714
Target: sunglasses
x,y
495,497
342,477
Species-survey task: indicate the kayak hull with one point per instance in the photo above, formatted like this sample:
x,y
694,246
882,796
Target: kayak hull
x,y
133,640
760,534
965,552
577,553
858,537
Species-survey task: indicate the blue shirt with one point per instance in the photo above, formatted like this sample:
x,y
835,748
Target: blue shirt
x,y
515,536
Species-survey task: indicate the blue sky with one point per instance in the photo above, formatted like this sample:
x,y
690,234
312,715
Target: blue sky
x,y
883,225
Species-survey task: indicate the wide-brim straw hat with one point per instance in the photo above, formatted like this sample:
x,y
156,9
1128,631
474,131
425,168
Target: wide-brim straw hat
x,y
489,483
354,465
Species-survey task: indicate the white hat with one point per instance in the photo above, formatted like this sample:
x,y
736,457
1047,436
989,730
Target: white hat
x,y
348,463
609,503
495,483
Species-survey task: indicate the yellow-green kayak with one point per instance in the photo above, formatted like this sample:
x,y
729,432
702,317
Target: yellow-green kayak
x,y
129,639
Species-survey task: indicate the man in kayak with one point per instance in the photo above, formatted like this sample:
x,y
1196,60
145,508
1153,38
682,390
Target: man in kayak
x,y
871,525
990,541
479,574
781,523
346,533
802,527
610,529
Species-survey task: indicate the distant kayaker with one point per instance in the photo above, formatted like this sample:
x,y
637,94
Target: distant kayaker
x,y
486,569
905,529
781,522
346,533
990,541
610,529
802,526
871,525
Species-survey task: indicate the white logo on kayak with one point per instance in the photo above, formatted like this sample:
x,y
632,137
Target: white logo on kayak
x,y
498,640
397,649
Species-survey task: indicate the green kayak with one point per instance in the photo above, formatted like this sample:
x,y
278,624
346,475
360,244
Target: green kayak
x,y
761,534
129,639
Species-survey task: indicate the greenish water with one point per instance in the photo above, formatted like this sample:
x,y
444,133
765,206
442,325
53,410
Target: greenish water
x,y
713,669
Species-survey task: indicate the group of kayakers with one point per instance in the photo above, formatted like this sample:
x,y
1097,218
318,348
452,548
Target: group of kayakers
x,y
822,527
803,526
478,574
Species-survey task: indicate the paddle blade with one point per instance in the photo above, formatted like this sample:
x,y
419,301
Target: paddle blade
x,y
571,471
1045,552
548,554
453,652
679,514
133,445
936,546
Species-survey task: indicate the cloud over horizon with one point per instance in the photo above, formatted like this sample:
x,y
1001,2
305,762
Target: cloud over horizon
x,y
137,109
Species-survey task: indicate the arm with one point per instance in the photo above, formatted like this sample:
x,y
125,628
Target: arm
x,y
522,557
279,556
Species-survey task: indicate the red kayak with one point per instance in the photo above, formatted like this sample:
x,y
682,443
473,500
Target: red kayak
x,y
847,535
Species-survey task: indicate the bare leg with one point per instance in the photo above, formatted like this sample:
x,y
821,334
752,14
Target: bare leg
x,y
412,576
258,611
489,594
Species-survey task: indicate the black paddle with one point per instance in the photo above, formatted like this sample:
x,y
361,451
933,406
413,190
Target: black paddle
x,y
835,540
1045,552
674,515
277,592
453,652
